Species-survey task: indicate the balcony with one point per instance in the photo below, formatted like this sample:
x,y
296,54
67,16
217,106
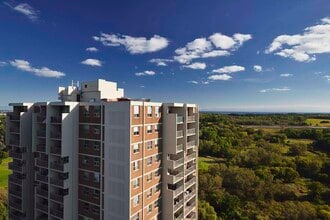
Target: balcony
x,y
15,191
191,131
42,207
191,119
179,217
56,150
177,205
56,119
15,179
14,117
178,190
56,135
190,182
15,204
57,212
191,144
41,119
16,155
14,129
59,180
42,163
41,177
177,162
59,166
18,167
190,195
41,148
14,143
41,134
176,177
179,119
42,192
179,147
42,217
190,169
179,134
190,157
190,207
56,197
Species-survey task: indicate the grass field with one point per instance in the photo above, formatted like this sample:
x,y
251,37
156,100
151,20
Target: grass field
x,y
300,141
317,122
4,172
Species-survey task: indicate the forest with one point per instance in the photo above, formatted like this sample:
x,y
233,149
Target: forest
x,y
264,172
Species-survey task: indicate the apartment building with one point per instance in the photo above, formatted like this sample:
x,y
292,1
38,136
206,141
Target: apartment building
x,y
98,155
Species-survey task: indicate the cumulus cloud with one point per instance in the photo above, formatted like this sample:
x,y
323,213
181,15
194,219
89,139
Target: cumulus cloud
x,y
193,82
25,9
223,77
134,45
3,63
229,69
214,46
303,47
286,75
257,68
160,62
196,66
283,89
92,49
327,77
43,72
92,62
145,73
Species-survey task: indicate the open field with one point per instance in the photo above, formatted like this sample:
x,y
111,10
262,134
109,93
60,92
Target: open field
x,y
4,172
318,122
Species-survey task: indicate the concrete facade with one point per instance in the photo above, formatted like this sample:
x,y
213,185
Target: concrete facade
x,y
98,155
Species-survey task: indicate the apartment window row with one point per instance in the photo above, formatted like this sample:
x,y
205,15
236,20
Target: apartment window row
x,y
86,160
136,164
90,208
136,182
91,144
137,200
87,177
96,112
156,129
150,144
86,129
90,192
157,111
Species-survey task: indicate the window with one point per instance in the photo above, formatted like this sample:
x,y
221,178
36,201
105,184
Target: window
x,y
136,183
136,148
86,191
149,111
149,193
96,146
149,160
157,111
136,130
156,143
136,110
149,145
149,209
85,160
86,206
86,114
149,177
157,188
136,165
149,129
157,128
136,200
96,131
96,162
97,110
96,210
96,193
156,204
157,173
86,176
96,177
136,217
86,144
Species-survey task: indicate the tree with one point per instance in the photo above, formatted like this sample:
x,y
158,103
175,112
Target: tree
x,y
206,211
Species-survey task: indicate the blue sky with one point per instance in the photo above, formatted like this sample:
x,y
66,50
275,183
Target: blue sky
x,y
223,55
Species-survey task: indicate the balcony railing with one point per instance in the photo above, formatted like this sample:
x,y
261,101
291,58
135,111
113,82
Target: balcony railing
x,y
190,157
55,150
42,192
177,162
191,131
16,155
179,134
15,204
178,205
14,179
190,207
178,191
15,166
42,207
41,118
56,119
56,212
41,134
190,182
16,192
57,181
189,195
14,142
42,163
57,166
179,147
179,119
14,117
191,144
56,135
57,197
41,177
41,147
177,177
14,129
190,169
191,118
180,217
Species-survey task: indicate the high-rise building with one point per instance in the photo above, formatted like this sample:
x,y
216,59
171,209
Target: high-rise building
x,y
97,155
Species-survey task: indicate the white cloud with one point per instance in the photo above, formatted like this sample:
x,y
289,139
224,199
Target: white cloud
x,y
196,66
327,77
43,72
134,45
145,73
257,68
25,9
160,62
286,75
283,89
229,69
3,63
303,47
193,82
220,77
92,49
214,46
92,62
